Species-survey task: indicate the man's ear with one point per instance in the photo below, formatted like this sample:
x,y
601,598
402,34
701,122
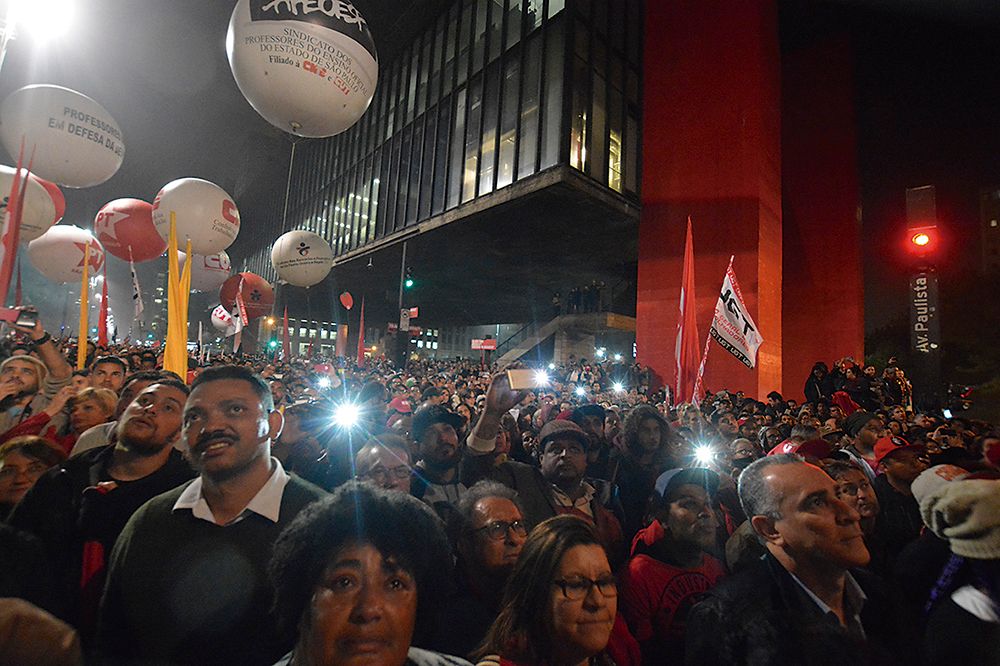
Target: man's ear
x,y
765,527
275,422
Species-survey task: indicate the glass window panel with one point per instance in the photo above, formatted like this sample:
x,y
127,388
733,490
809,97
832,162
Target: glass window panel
x,y
441,157
472,139
579,118
601,17
616,36
634,35
425,67
415,162
479,45
434,88
465,41
457,151
556,6
496,24
598,144
404,177
508,121
631,154
527,161
533,18
411,91
427,170
552,134
513,22
490,117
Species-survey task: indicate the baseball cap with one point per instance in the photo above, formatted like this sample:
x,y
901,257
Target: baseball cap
x,y
400,404
672,479
813,448
428,415
889,445
562,429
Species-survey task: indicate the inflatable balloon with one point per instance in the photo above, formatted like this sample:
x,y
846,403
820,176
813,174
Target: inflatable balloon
x,y
257,294
58,200
308,70
347,300
58,253
39,212
205,214
301,258
207,272
76,141
223,321
125,224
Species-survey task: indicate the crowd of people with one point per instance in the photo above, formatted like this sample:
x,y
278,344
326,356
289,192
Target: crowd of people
x,y
310,511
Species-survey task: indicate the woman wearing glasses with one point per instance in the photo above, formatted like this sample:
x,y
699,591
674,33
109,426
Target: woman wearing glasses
x,y
560,605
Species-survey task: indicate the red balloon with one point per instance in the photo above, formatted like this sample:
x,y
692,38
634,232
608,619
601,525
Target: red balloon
x,y
347,300
258,297
56,194
128,223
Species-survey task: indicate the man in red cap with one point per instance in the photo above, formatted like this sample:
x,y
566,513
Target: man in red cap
x,y
898,463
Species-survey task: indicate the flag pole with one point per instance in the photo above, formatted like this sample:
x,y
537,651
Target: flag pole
x,y
81,338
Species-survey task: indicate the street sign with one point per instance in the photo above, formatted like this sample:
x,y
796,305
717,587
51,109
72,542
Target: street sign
x,y
414,313
488,344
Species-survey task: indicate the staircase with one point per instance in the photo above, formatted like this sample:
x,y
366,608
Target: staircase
x,y
533,335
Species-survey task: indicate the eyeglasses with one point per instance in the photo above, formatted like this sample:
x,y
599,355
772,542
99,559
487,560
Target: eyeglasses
x,y
32,471
852,489
381,474
575,589
498,529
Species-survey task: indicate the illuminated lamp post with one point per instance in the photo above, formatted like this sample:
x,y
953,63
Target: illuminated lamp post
x,y
923,242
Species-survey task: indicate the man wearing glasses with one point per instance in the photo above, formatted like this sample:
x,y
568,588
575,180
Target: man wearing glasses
x,y
385,461
487,533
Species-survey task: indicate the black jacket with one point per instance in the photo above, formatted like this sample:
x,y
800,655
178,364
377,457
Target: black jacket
x,y
762,617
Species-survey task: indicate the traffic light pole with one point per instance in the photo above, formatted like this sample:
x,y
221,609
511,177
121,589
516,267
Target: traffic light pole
x,y
402,336
924,306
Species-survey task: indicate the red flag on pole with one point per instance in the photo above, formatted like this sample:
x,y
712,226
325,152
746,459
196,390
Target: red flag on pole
x,y
12,225
102,321
361,336
286,343
687,329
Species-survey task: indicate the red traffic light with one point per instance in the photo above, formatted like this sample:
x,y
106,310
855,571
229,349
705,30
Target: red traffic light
x,y
922,240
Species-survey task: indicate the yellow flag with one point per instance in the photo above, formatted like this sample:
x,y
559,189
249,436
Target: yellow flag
x,y
175,354
81,338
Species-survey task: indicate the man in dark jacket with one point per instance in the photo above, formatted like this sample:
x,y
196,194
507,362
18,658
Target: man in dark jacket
x,y
801,604
819,384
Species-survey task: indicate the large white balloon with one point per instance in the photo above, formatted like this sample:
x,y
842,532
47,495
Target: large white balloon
x,y
207,272
223,321
39,212
76,141
309,68
58,253
205,214
301,258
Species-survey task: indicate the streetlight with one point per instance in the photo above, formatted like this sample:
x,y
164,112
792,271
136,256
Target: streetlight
x,y
45,20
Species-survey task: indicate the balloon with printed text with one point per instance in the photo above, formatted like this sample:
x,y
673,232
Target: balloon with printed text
x,y
58,253
39,211
258,296
205,214
208,272
125,228
223,320
309,69
69,138
301,258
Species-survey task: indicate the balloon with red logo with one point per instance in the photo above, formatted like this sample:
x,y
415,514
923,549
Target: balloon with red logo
x,y
258,297
204,212
58,200
223,321
207,272
301,258
327,79
73,139
39,211
125,226
58,253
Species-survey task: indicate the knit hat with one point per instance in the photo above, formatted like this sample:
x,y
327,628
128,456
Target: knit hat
x,y
967,514
933,479
856,421
560,429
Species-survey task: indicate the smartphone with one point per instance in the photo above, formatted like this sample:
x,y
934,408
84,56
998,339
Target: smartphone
x,y
19,317
522,379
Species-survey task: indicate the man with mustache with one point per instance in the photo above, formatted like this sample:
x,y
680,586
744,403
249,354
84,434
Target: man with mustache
x,y
79,508
187,580
806,601
28,384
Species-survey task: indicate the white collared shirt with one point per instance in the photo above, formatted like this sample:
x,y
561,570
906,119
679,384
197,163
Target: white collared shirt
x,y
266,503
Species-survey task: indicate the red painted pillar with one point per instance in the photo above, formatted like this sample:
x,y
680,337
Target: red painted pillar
x,y
823,311
711,150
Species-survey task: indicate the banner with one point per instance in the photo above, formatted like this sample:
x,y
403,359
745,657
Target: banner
x,y
136,291
175,353
732,325
686,346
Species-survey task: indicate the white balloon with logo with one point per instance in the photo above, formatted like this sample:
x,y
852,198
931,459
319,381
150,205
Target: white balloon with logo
x,y
39,211
75,140
309,68
204,213
58,253
223,321
208,272
301,258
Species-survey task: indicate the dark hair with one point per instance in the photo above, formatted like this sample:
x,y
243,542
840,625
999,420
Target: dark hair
x,y
774,395
372,391
173,383
835,469
397,525
34,447
151,376
109,359
633,421
81,373
522,631
241,373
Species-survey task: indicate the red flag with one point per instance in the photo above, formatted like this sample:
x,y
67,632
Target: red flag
x,y
12,226
286,343
102,318
687,329
361,336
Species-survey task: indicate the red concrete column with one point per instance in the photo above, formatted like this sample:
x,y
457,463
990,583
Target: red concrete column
x,y
711,150
823,311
